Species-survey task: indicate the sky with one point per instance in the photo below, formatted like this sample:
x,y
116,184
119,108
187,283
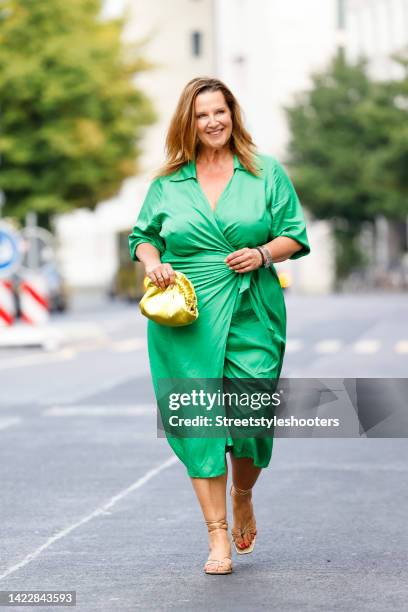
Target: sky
x,y
113,8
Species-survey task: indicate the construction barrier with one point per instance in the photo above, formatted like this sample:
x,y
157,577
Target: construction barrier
x,y
33,295
7,303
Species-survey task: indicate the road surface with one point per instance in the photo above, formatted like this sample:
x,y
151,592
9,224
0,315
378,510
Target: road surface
x,y
92,501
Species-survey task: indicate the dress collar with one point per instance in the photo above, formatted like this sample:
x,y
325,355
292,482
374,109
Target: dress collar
x,y
189,170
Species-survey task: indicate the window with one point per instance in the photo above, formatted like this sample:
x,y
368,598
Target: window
x,y
196,43
341,14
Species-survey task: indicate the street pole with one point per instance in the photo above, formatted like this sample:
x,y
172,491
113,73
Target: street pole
x,y
2,202
33,255
341,28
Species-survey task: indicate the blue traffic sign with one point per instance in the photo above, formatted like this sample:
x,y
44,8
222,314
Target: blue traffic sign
x,y
10,250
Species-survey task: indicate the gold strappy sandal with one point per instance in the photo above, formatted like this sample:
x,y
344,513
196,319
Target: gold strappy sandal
x,y
248,529
218,566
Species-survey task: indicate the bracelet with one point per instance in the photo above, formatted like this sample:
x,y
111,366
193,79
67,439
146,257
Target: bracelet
x,y
262,254
267,255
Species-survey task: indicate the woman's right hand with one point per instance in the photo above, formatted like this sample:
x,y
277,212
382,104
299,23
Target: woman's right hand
x,y
162,274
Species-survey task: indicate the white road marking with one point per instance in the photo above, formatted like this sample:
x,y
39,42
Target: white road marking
x,y
8,422
328,346
114,325
366,347
343,467
102,510
293,345
126,346
91,345
90,410
41,358
401,347
36,359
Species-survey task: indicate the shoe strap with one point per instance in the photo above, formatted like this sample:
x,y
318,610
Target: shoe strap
x,y
221,524
218,561
241,532
236,491
216,564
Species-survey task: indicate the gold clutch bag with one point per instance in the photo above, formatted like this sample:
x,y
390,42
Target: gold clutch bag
x,y
174,306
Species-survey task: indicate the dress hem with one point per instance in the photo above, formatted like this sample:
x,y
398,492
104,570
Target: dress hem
x,y
238,456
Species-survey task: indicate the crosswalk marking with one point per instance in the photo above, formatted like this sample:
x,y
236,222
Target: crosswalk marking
x,y
293,345
401,347
126,346
366,347
68,353
89,410
36,359
328,346
9,421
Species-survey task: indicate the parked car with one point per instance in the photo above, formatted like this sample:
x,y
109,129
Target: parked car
x,y
57,290
127,282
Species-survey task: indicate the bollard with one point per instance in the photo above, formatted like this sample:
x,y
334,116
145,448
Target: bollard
x,y
7,303
34,304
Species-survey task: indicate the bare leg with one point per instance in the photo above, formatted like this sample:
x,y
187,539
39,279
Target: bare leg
x,y
244,472
244,476
211,494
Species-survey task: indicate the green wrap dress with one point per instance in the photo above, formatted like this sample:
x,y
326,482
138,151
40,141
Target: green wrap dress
x,y
241,328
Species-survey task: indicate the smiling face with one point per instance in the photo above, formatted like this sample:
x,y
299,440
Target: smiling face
x,y
213,119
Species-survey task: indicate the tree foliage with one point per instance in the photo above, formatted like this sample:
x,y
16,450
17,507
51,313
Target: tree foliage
x,y
70,114
386,165
349,150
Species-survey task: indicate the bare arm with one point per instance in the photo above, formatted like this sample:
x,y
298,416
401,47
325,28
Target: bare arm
x,y
282,247
162,274
245,260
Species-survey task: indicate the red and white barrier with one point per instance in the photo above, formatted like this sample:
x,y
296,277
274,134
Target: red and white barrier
x,y
7,303
34,305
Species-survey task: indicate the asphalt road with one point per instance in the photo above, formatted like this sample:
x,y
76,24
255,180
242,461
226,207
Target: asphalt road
x,y
92,501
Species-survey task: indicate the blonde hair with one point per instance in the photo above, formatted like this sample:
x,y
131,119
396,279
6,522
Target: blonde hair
x,y
182,142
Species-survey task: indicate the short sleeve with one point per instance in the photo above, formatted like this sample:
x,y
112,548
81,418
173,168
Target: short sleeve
x,y
148,224
287,214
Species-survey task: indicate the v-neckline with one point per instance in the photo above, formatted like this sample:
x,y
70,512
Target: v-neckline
x,y
214,210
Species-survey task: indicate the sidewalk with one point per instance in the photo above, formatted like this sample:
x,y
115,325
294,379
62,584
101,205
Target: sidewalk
x,y
49,336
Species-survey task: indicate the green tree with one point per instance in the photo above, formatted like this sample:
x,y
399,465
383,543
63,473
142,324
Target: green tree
x,y
386,165
71,116
346,151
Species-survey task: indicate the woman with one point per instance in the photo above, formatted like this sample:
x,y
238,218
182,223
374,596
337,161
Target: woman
x,y
220,212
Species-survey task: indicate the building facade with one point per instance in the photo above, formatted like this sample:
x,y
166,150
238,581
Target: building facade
x,y
266,52
179,40
376,29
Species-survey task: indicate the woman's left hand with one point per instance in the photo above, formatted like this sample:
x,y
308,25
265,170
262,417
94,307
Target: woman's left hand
x,y
244,260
